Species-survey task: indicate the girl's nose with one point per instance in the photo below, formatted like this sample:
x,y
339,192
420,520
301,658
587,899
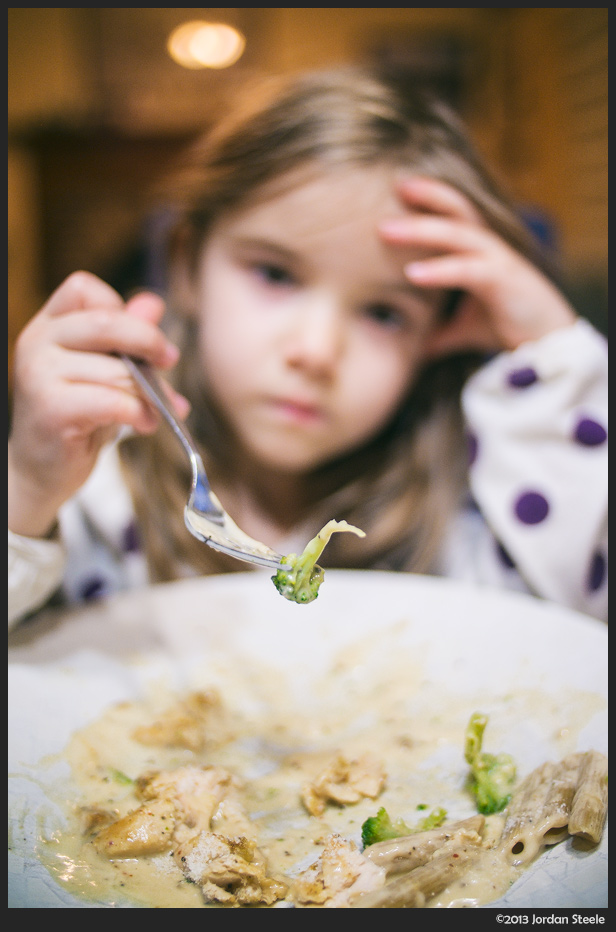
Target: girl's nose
x,y
316,338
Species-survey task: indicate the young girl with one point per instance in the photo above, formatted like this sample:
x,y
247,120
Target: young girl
x,y
363,331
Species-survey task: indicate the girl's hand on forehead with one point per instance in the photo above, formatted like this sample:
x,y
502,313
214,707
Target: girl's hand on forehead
x,y
71,393
506,299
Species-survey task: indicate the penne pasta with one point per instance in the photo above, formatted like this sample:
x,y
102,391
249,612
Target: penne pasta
x,y
557,800
538,814
414,888
410,851
589,808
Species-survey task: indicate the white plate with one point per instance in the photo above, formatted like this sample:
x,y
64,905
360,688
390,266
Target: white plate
x,y
66,668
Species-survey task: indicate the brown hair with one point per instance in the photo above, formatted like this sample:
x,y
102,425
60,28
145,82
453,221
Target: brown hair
x,y
404,485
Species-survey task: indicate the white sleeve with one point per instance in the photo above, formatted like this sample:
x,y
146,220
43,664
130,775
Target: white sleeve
x,y
35,572
95,554
537,419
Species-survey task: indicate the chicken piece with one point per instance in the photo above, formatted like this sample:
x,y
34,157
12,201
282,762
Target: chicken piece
x,y
177,805
195,792
230,819
343,782
196,722
147,830
231,871
93,819
339,875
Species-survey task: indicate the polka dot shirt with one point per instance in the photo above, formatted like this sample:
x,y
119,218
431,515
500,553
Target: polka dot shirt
x,y
537,422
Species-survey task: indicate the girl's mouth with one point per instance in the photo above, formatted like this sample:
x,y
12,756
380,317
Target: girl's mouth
x,y
297,411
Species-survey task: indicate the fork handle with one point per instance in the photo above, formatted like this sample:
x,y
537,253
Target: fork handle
x,y
149,382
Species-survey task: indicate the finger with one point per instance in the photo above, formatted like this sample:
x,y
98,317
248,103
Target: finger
x,y
434,196
146,305
109,371
466,273
109,331
433,232
90,368
83,408
81,290
179,403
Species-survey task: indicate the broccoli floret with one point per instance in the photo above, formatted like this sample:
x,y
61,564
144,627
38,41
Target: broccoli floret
x,y
492,777
120,777
301,583
433,820
381,827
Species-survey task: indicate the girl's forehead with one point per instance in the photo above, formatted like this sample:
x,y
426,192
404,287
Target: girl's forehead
x,y
310,202
327,223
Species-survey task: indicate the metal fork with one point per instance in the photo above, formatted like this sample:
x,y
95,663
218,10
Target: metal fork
x,y
204,516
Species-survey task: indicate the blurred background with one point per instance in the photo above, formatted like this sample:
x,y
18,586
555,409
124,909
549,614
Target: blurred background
x,y
98,109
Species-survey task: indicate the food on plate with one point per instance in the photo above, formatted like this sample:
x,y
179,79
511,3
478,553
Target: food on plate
x,y
175,815
301,583
415,888
191,801
589,806
554,801
173,805
344,781
194,722
381,827
340,874
412,850
423,865
230,871
492,777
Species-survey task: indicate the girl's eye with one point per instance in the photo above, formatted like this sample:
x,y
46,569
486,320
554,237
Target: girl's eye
x,y
272,274
385,315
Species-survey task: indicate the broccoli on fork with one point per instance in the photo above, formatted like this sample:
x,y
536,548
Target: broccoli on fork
x,y
301,583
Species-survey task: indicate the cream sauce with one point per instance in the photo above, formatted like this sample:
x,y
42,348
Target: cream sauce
x,y
275,748
228,536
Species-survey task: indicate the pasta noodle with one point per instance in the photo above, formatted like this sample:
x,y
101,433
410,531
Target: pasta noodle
x,y
553,795
404,854
414,888
589,809
555,801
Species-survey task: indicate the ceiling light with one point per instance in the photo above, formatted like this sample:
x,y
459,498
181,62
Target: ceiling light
x,y
199,44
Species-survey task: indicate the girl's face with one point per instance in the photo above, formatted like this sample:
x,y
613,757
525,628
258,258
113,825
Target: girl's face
x,y
310,334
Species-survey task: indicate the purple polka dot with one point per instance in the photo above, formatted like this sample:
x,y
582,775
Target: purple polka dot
x,y
522,378
93,588
472,447
531,508
504,557
590,433
596,573
130,538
